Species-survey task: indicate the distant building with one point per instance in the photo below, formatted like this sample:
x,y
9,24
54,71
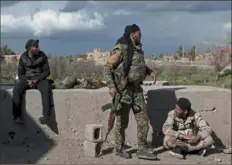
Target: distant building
x,y
97,55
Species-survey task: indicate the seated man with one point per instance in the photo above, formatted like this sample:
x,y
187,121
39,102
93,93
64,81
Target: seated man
x,y
185,131
33,69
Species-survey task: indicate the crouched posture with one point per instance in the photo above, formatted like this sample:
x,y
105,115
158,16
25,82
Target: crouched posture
x,y
116,76
33,69
185,131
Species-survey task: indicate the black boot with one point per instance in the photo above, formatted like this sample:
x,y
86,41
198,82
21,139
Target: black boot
x,y
43,120
177,153
18,120
146,153
123,153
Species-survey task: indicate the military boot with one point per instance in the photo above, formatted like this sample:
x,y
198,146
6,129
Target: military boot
x,y
227,150
43,120
123,153
176,152
179,152
18,120
145,153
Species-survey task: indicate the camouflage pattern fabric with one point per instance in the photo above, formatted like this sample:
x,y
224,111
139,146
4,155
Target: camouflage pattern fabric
x,y
193,125
122,118
132,96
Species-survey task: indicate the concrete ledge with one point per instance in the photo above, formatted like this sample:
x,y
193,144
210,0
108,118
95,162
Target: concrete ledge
x,y
74,108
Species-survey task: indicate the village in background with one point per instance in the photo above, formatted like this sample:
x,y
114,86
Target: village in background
x,y
183,67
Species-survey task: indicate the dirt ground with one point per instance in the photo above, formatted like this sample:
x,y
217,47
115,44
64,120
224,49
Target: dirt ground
x,y
71,152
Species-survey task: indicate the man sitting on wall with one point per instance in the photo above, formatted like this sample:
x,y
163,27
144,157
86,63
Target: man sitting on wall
x,y
185,131
33,69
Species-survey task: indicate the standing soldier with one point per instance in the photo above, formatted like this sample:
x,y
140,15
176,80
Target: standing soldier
x,y
185,131
124,73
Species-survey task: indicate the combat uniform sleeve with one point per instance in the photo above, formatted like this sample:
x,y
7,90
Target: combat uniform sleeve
x,y
110,64
203,126
21,70
168,126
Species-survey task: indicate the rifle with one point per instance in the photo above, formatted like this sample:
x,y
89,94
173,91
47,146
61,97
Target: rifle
x,y
127,61
111,118
115,101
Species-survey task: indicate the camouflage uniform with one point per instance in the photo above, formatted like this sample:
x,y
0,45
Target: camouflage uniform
x,y
193,125
132,96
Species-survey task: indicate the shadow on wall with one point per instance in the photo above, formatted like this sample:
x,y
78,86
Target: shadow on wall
x,y
52,123
21,144
160,102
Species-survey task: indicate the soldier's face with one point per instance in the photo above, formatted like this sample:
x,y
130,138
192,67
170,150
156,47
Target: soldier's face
x,y
137,36
179,112
35,50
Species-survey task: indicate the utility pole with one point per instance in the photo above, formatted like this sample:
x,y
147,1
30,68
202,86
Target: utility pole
x,y
183,51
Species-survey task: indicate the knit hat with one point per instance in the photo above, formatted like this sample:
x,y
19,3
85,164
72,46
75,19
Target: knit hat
x,y
184,103
134,28
30,43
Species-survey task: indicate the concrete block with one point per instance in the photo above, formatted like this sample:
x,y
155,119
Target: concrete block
x,y
92,149
94,132
162,83
148,83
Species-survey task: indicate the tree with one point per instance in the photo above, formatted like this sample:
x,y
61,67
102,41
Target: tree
x,y
1,57
219,60
180,51
192,53
161,55
6,51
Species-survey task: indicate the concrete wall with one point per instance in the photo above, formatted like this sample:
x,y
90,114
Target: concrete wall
x,y
76,108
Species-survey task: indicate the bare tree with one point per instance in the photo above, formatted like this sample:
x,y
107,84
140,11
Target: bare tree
x,y
219,60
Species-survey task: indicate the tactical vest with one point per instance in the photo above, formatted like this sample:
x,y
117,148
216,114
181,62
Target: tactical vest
x,y
187,127
137,71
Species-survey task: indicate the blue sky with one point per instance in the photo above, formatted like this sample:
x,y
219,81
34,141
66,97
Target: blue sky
x,y
71,27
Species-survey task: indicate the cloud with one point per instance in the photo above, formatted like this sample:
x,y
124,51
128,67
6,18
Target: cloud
x,y
227,26
48,19
89,24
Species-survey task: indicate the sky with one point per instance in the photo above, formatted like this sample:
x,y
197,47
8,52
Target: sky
x,y
71,27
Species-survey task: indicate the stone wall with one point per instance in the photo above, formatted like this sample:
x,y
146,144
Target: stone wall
x,y
76,108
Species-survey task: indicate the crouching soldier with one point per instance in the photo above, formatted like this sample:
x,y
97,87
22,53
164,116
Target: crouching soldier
x,y
185,131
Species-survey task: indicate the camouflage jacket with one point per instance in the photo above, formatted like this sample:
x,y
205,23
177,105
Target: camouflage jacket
x,y
114,68
193,125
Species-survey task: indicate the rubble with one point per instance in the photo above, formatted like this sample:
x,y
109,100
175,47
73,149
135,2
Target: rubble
x,y
70,82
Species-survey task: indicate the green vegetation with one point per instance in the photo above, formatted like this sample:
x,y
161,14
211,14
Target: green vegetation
x,y
176,75
6,51
187,75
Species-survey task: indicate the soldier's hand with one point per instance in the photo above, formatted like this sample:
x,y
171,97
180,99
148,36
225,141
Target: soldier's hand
x,y
30,82
185,137
194,139
112,91
153,77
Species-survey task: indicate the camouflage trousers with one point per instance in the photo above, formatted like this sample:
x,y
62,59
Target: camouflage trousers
x,y
171,142
139,108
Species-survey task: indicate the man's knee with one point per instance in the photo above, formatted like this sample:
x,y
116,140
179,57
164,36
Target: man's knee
x,y
208,141
45,83
44,86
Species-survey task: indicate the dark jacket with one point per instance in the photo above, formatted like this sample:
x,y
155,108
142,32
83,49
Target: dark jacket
x,y
35,68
